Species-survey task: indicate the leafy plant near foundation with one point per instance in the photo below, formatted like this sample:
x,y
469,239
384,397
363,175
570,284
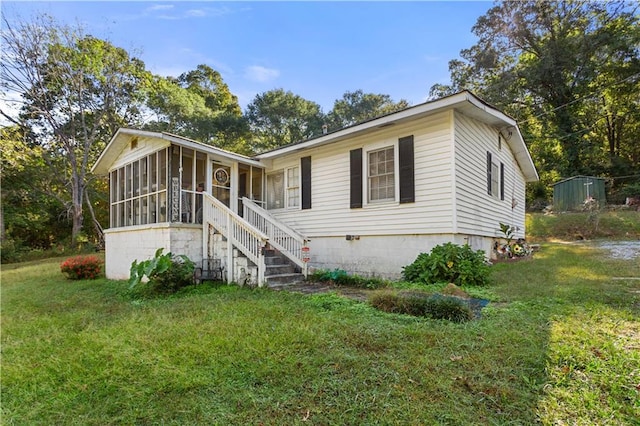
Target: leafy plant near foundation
x,y
449,263
166,273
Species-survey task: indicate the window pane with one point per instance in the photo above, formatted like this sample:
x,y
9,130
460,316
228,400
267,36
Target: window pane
x,y
162,206
381,175
121,181
293,195
136,179
153,172
495,179
128,181
275,190
144,175
162,166
114,216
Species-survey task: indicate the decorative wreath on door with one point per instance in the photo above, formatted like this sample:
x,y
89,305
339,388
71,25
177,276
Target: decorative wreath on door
x,y
221,176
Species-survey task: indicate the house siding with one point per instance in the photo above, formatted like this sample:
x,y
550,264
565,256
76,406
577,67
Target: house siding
x,y
479,213
377,240
331,215
145,147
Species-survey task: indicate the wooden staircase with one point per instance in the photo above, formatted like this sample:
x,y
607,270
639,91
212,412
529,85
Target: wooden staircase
x,y
279,253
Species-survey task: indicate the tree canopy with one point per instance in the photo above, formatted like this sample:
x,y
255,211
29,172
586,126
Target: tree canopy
x,y
356,107
76,91
198,104
279,118
569,72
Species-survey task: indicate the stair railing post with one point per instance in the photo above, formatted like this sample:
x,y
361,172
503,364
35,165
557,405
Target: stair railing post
x,y
229,249
262,267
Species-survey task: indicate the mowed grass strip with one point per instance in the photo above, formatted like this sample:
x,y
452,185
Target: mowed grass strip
x,y
559,344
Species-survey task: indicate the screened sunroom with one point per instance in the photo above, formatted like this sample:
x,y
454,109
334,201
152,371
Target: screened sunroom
x,y
156,186
163,181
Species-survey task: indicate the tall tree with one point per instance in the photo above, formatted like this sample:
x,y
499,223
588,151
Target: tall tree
x,y
356,107
30,215
561,68
76,90
279,118
198,104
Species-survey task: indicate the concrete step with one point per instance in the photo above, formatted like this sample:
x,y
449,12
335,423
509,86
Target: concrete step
x,y
276,260
282,280
279,269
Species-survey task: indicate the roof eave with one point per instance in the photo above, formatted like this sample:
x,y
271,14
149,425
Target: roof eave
x,y
101,167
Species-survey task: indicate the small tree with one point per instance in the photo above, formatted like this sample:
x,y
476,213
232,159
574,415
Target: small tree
x,y
76,90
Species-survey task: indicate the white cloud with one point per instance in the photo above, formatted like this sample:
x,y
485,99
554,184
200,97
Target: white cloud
x,y
260,74
159,7
196,13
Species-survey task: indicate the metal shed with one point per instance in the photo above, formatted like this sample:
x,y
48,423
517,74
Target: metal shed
x,y
570,194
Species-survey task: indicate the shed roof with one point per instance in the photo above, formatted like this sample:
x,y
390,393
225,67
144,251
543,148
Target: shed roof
x,y
121,139
577,177
465,102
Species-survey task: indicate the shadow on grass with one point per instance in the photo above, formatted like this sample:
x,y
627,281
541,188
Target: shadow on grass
x,y
586,320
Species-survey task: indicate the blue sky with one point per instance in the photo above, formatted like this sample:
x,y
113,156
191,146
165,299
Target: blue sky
x,y
318,50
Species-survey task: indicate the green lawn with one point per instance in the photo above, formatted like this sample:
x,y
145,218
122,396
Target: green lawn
x,y
559,345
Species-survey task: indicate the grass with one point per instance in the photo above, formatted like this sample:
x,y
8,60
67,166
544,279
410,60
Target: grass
x,y
559,345
614,224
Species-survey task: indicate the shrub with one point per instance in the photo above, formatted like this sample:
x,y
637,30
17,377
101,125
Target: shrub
x,y
166,273
449,263
340,277
179,275
429,306
82,267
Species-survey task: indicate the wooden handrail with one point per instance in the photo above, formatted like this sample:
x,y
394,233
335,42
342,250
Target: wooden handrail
x,y
286,240
239,234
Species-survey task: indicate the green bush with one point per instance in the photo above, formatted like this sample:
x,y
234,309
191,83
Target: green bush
x,y
429,306
449,263
166,273
11,251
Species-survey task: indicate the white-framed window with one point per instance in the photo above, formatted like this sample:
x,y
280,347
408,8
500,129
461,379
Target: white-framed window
x,y
495,177
381,175
283,189
293,187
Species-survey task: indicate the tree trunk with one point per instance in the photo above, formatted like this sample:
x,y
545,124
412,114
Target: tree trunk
x,y
77,190
96,224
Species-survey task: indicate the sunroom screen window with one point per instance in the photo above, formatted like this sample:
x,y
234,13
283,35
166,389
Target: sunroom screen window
x,y
381,175
139,191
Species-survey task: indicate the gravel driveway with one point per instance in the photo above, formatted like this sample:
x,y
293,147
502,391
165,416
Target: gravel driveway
x,y
627,250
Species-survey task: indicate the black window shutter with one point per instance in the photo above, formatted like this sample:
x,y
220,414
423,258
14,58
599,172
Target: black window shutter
x,y
502,181
406,172
356,178
305,169
488,173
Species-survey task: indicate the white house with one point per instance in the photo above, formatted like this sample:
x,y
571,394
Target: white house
x,y
367,199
